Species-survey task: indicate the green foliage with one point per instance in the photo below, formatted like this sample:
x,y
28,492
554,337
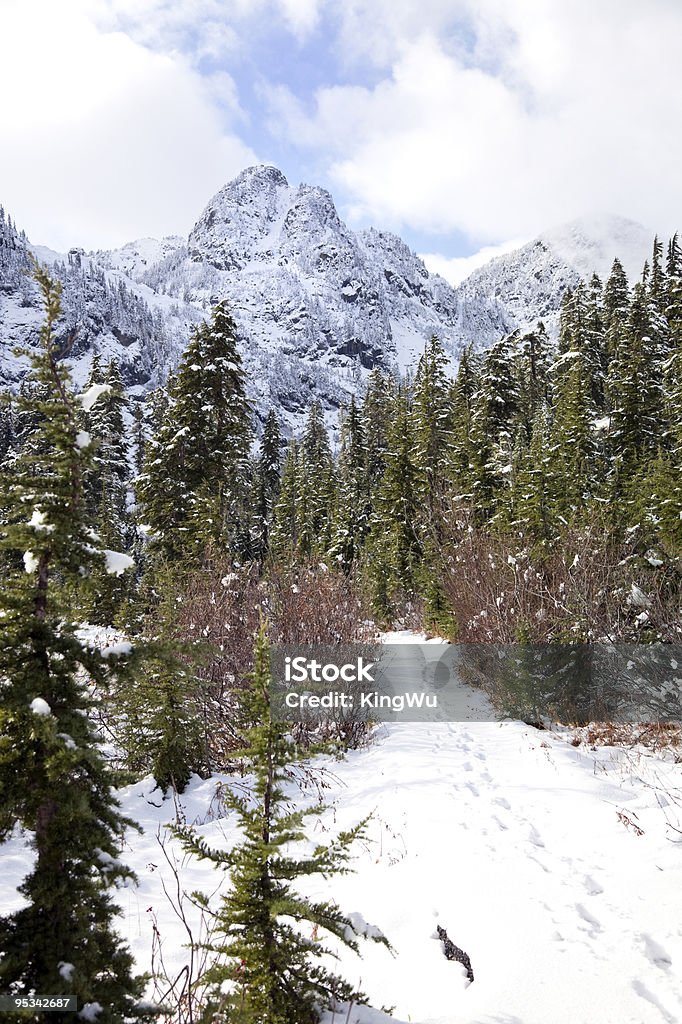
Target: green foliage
x,y
270,967
191,489
54,780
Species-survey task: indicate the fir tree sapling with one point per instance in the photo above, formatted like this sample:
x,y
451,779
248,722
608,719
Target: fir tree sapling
x,y
266,970
54,781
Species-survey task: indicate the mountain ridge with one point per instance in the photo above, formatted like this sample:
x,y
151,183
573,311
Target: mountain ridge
x,y
317,305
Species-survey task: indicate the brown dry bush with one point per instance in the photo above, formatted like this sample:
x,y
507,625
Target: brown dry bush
x,y
580,590
220,608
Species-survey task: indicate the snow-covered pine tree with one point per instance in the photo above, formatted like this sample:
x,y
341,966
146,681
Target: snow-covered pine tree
x,y
394,544
463,394
106,488
352,507
376,416
572,438
673,291
271,966
531,502
54,781
267,482
192,482
531,368
635,388
616,306
595,345
319,479
494,425
431,431
289,535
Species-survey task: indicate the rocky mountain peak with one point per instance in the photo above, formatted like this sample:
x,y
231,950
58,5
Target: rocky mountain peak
x,y
239,218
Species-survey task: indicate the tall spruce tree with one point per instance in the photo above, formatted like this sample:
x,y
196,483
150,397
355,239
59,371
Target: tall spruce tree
x,y
267,482
463,396
431,430
54,780
395,547
267,970
353,505
290,536
191,488
319,479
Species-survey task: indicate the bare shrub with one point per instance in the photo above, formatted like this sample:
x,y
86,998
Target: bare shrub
x,y
218,612
312,605
580,590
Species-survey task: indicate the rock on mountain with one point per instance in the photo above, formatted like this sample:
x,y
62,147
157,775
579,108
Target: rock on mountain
x,y
317,305
301,283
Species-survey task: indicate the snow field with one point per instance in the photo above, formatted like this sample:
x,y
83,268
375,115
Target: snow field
x,y
558,869
508,837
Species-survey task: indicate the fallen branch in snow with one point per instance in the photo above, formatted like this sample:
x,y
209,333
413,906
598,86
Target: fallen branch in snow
x,y
453,952
629,823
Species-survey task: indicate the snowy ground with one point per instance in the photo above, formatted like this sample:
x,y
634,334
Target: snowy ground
x,y
522,846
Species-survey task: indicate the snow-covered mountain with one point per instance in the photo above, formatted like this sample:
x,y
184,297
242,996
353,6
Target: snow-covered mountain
x,y
317,305
526,285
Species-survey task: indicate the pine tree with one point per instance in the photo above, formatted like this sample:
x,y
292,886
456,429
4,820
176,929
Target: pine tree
x,y
376,413
494,426
62,940
534,486
463,396
635,388
395,547
192,486
352,510
269,965
595,347
106,489
431,430
267,482
531,368
290,536
572,441
318,480
616,306
673,291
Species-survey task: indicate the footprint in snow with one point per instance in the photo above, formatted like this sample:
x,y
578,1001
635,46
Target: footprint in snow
x,y
592,888
587,917
657,954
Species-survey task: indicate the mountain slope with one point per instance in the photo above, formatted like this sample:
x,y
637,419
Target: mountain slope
x,y
317,305
526,285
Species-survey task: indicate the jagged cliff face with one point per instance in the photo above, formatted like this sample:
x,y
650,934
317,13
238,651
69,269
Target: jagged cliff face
x,y
317,305
301,282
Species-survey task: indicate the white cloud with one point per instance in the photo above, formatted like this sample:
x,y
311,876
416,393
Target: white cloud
x,y
456,269
104,139
499,117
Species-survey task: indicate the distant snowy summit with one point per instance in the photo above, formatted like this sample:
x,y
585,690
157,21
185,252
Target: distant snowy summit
x,y
526,285
317,305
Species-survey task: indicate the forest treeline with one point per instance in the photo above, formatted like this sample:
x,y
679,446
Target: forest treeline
x,y
535,497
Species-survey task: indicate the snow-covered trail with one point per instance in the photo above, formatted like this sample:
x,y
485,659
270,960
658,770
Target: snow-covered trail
x,y
511,839
508,837
521,845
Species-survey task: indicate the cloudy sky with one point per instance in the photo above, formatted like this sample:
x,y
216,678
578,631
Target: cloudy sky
x,y
464,125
